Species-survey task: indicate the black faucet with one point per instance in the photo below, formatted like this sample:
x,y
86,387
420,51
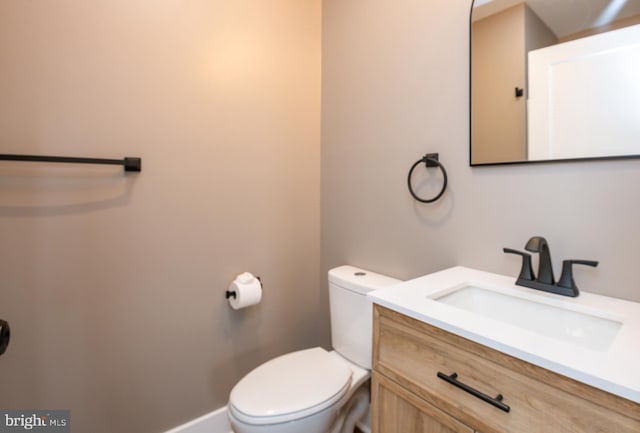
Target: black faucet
x,y
565,286
538,244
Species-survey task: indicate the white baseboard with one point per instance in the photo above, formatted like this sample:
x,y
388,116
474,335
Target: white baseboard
x,y
213,422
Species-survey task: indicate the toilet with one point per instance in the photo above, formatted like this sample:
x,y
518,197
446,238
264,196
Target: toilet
x,y
315,390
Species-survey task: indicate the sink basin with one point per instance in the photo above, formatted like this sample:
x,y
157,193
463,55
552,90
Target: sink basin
x,y
561,320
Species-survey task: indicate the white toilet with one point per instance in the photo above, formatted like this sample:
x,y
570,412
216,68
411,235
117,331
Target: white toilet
x,y
312,390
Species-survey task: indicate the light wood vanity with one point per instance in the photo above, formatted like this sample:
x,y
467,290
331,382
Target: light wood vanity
x,y
409,397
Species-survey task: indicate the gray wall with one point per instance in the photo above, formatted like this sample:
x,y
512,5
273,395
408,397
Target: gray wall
x,y
114,284
395,86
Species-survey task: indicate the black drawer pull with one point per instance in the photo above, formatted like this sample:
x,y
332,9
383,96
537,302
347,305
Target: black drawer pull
x,y
453,380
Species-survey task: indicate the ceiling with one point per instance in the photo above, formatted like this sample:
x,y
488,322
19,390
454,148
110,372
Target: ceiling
x,y
568,16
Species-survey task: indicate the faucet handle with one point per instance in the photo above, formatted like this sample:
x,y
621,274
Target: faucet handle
x,y
526,272
566,279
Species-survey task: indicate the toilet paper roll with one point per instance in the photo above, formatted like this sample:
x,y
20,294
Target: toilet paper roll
x,y
248,290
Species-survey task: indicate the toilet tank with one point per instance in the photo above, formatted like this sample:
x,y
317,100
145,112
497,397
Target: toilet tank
x,y
351,311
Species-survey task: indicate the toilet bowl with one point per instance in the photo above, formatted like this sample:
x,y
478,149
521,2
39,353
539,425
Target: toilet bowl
x,y
302,391
315,390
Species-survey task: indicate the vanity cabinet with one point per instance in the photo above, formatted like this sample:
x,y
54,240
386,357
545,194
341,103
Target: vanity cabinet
x,y
409,396
398,410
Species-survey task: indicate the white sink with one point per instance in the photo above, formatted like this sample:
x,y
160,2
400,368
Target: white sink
x,y
554,318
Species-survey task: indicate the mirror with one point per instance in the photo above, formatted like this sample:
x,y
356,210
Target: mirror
x,y
554,80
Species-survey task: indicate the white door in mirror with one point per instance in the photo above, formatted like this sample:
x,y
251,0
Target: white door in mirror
x,y
584,97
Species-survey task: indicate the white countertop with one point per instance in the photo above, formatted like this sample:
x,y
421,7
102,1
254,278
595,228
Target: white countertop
x,y
616,369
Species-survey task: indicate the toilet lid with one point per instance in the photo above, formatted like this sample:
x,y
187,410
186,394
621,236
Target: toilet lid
x,y
291,386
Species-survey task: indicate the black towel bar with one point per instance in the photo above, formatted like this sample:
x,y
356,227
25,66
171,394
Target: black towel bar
x,y
129,164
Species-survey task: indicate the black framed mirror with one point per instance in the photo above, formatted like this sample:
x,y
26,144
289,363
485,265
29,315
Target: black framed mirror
x,y
554,80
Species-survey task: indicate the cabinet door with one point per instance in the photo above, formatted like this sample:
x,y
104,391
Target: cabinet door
x,y
395,409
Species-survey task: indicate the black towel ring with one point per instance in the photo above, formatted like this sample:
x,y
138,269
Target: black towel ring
x,y
429,160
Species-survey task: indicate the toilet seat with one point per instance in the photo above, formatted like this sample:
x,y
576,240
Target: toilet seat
x,y
290,387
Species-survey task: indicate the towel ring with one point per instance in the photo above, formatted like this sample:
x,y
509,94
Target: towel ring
x,y
429,160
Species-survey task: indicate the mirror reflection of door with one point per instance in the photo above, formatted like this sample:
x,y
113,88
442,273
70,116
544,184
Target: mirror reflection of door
x,y
584,98
500,45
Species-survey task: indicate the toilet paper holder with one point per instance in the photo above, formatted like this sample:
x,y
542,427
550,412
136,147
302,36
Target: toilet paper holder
x,y
232,293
